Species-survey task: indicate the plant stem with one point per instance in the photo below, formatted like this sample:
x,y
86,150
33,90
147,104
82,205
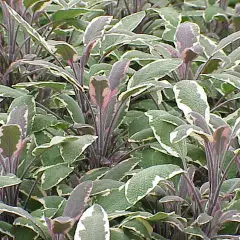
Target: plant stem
x,y
31,190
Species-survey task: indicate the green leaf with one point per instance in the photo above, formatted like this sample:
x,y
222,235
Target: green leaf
x,y
29,29
96,28
22,213
42,122
139,226
118,172
54,69
72,107
57,86
55,141
226,41
18,103
141,136
154,70
64,14
6,229
195,231
118,234
67,51
94,174
152,157
134,91
212,12
53,175
9,180
146,180
172,19
191,97
93,225
71,150
109,203
11,92
105,185
10,139
129,23
226,78
27,223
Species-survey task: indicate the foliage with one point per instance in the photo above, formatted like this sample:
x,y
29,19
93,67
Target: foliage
x,y
119,119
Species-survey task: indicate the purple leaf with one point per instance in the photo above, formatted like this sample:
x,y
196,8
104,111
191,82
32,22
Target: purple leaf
x,y
19,116
117,73
77,200
99,91
61,225
185,36
221,138
200,121
189,54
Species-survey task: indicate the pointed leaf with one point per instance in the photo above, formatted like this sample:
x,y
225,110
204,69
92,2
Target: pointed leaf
x,y
29,29
134,91
221,138
118,172
117,73
72,107
184,131
19,116
57,86
10,92
96,28
129,23
226,41
103,186
28,112
154,70
78,200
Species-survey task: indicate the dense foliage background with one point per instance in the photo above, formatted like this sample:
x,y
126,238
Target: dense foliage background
x,y
119,119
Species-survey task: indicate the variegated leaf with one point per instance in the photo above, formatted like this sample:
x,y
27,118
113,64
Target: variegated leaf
x,y
9,180
162,124
96,28
99,90
154,70
191,97
146,180
28,113
78,200
118,172
184,131
128,23
53,175
93,225
10,139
